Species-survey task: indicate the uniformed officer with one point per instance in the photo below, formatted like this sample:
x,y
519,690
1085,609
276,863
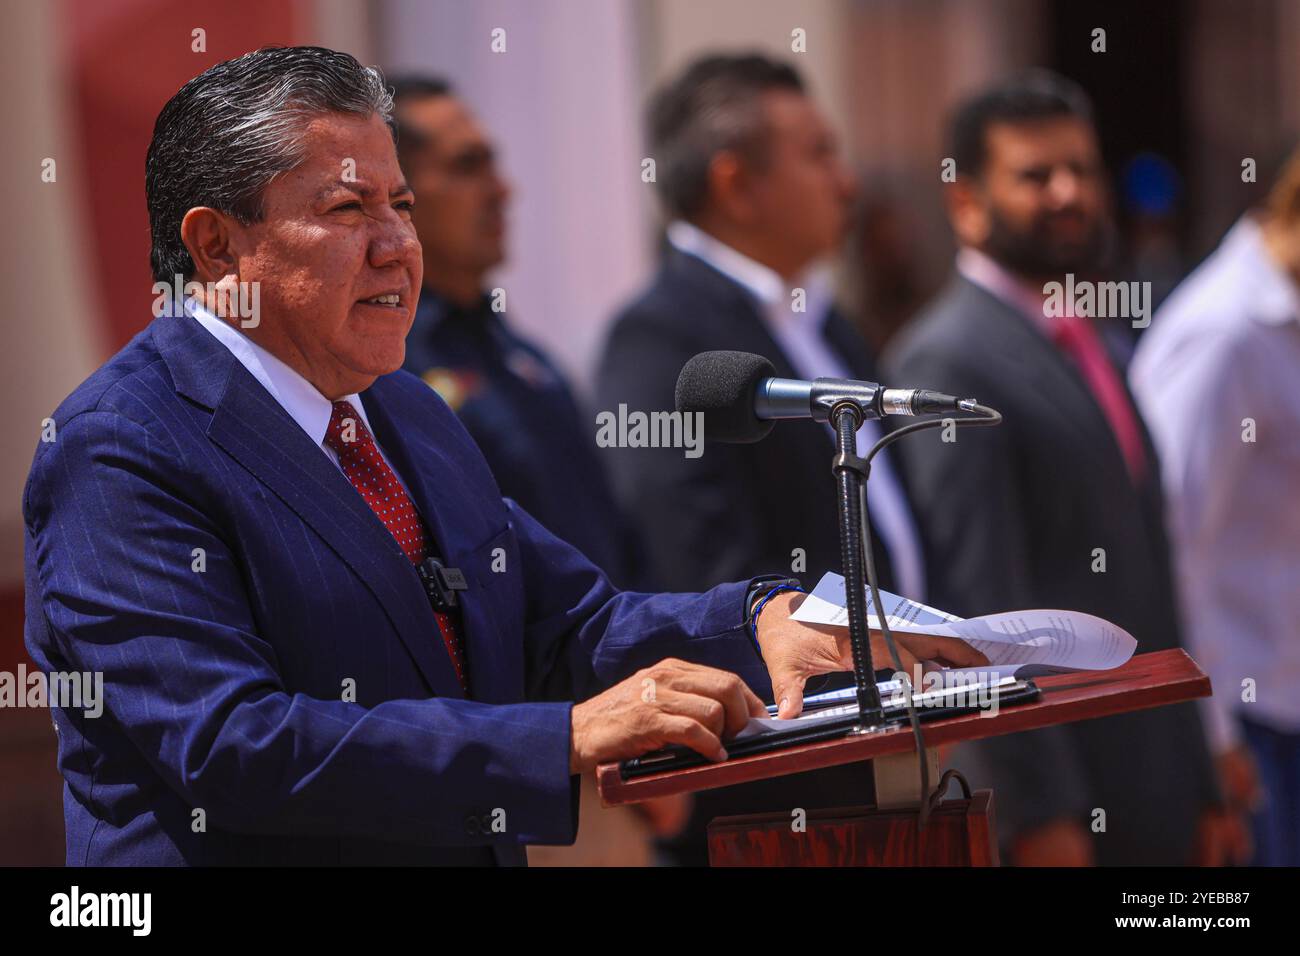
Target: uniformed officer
x,y
509,395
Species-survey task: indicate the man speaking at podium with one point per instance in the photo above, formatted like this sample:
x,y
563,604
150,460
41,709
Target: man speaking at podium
x,y
324,637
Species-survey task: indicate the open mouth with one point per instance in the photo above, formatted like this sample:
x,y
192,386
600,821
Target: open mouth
x,y
389,299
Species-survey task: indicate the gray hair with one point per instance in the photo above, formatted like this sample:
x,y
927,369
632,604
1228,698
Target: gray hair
x,y
231,130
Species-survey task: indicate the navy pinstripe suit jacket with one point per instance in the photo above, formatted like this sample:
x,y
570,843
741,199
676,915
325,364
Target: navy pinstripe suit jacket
x,y
282,695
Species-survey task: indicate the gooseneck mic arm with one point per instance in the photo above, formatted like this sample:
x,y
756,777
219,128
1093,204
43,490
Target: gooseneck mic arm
x,y
850,477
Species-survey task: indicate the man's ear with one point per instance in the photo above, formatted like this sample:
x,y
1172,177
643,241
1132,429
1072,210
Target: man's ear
x,y
208,236
967,211
729,187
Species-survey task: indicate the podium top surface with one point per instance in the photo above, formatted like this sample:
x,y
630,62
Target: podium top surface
x,y
1147,680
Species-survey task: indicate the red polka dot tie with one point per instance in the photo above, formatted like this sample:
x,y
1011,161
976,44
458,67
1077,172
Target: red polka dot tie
x,y
365,467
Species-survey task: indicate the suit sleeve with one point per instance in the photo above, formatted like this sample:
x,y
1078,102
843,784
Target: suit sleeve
x,y
196,688
694,513
582,635
969,503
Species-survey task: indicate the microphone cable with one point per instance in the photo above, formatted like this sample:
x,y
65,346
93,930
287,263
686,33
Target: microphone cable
x,y
987,416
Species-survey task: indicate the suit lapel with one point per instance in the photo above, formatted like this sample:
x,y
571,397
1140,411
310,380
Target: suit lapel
x,y
850,346
434,480
251,427
735,323
1050,375
745,329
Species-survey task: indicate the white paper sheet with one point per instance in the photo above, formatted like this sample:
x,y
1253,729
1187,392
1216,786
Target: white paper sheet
x,y
1038,641
827,605
1018,644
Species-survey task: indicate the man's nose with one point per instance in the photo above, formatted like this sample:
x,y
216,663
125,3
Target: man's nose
x,y
1065,188
393,241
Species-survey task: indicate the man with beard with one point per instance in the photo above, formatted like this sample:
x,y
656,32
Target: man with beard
x,y
1060,506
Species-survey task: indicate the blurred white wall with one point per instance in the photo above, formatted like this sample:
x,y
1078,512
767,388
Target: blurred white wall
x,y
342,25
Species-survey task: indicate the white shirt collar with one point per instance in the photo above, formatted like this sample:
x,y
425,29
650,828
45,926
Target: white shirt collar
x,y
760,281
771,291
297,396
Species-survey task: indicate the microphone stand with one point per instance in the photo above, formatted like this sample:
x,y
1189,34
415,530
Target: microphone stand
x,y
851,475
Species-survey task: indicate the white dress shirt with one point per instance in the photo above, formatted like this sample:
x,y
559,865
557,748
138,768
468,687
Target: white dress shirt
x,y
800,336
1223,348
297,396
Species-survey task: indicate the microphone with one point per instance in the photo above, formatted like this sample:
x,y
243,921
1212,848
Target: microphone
x,y
742,397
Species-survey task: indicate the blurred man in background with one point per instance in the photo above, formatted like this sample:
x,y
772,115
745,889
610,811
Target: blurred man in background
x,y
513,401
750,173
1060,506
509,395
1218,378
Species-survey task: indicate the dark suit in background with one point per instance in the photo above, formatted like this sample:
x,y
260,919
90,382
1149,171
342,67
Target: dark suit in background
x,y
1011,517
525,420
736,506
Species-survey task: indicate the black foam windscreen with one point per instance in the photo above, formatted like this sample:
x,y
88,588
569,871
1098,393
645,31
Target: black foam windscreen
x,y
722,385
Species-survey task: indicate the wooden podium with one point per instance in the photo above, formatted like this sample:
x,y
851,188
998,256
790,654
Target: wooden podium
x,y
960,832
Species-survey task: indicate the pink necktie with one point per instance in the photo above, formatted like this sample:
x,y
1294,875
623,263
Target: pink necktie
x,y
1080,340
365,467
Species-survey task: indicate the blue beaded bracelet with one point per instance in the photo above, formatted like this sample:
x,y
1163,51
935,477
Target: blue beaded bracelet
x,y
758,609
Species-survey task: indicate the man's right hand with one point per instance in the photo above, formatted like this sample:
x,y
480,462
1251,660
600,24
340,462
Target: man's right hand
x,y
672,702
